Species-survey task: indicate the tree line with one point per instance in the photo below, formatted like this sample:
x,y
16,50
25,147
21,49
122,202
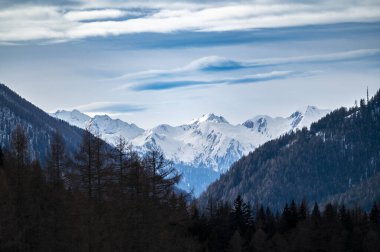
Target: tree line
x,y
102,199
113,199
297,227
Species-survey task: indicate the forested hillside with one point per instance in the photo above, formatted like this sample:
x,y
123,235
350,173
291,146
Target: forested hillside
x,y
331,161
113,200
101,200
38,125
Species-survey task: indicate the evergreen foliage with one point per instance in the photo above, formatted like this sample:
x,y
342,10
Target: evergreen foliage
x,y
336,228
81,205
88,205
38,126
337,160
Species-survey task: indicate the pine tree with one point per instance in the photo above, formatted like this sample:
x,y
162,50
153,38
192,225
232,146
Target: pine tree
x,y
85,163
19,144
261,218
119,157
316,215
303,210
329,214
1,157
161,173
101,168
241,215
374,215
293,215
345,217
57,160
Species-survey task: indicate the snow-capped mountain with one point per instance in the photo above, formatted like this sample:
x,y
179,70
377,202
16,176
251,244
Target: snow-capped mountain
x,y
108,128
209,141
203,148
275,127
74,117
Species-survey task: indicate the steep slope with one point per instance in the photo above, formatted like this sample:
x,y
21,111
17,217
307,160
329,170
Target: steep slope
x,y
39,126
338,153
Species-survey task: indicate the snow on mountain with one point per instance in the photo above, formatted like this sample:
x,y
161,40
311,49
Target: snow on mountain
x,y
310,114
207,146
209,118
209,141
74,117
275,127
108,128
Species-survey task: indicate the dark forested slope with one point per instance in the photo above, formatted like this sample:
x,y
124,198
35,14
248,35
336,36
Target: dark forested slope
x,y
339,153
39,126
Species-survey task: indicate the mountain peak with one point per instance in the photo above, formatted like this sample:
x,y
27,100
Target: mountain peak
x,y
211,117
303,117
75,117
308,110
102,117
67,112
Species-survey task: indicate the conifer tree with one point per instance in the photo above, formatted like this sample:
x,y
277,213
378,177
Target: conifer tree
x,y
19,144
1,157
57,160
374,215
293,214
85,163
316,214
101,167
161,173
119,157
303,210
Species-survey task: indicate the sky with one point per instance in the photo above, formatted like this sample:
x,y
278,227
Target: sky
x,y
155,62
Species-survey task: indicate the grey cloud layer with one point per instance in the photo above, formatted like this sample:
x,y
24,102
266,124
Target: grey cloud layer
x,y
111,18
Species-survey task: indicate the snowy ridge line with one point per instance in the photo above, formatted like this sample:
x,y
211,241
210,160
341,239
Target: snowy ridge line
x,y
209,141
202,149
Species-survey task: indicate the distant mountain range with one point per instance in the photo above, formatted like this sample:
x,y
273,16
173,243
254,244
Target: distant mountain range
x,y
205,147
337,160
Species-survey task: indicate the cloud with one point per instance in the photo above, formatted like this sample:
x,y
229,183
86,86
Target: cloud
x,y
110,107
97,18
216,64
94,14
209,63
324,58
171,84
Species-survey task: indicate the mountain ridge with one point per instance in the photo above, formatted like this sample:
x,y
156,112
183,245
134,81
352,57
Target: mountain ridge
x,y
208,142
